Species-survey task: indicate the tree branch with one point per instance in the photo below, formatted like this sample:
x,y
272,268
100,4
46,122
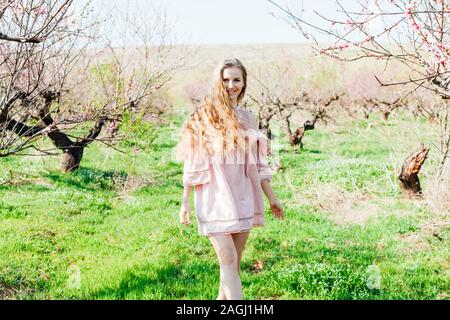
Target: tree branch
x,y
20,39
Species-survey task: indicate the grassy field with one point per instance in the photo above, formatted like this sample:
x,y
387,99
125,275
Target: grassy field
x,y
110,230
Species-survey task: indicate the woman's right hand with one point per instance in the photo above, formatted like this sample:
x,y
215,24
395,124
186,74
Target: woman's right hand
x,y
277,209
185,213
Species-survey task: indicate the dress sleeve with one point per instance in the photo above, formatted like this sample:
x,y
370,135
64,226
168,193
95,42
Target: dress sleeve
x,y
265,171
262,149
196,169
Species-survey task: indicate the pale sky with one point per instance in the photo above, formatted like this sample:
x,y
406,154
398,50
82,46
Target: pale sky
x,y
231,21
227,21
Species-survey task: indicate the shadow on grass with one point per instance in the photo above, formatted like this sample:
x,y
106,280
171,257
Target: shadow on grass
x,y
88,178
26,186
172,281
307,150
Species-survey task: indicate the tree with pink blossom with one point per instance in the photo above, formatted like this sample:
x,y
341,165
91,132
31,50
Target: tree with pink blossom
x,y
412,33
55,85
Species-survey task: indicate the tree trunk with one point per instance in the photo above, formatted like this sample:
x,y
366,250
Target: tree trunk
x,y
296,138
409,181
72,157
73,151
264,127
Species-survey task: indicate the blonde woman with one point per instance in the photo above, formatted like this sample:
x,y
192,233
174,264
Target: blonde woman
x,y
225,160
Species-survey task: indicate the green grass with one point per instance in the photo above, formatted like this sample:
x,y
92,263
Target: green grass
x,y
114,224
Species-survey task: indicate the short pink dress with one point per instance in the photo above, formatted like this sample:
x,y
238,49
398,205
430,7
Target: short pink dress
x,y
228,197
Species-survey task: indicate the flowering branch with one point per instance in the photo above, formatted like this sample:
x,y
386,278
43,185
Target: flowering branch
x,y
414,33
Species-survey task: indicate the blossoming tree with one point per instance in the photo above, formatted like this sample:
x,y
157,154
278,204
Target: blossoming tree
x,y
53,85
412,33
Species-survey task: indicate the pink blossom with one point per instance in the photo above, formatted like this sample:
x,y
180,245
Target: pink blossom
x,y
47,130
368,38
39,11
112,126
416,26
129,88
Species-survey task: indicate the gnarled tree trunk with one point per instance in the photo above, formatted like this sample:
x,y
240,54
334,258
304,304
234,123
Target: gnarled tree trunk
x,y
73,150
409,181
296,138
72,157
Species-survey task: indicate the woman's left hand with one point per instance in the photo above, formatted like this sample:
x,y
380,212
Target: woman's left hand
x,y
185,213
277,210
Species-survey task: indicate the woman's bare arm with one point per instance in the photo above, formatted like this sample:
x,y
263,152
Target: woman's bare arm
x,y
186,193
275,205
268,191
185,210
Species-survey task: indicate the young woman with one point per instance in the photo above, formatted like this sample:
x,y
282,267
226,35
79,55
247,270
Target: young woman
x,y
225,160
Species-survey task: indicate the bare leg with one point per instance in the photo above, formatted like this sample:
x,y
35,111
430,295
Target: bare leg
x,y
239,240
229,277
221,295
239,243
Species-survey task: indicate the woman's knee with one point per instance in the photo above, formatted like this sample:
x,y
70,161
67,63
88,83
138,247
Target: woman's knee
x,y
228,257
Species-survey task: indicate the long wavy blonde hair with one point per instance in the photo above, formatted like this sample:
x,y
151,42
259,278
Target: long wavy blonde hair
x,y
213,126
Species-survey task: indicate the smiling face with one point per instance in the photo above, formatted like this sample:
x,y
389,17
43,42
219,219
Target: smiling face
x,y
233,81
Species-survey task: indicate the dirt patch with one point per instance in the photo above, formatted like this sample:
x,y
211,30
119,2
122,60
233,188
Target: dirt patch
x,y
127,185
12,293
18,181
437,197
415,242
257,266
344,207
42,182
6,293
436,229
419,241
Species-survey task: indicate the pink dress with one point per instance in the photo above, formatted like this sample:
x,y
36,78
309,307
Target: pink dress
x,y
228,197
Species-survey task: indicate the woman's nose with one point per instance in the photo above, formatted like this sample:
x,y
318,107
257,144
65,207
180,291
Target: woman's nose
x,y
230,84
